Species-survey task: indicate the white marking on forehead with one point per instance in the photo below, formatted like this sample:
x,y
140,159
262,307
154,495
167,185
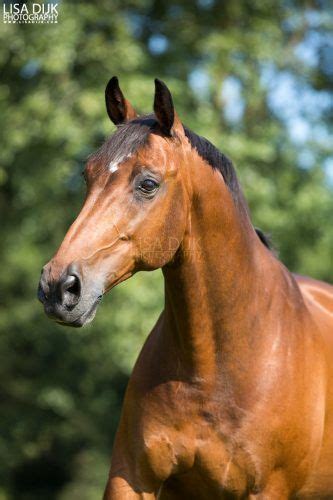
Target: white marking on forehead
x,y
114,164
113,167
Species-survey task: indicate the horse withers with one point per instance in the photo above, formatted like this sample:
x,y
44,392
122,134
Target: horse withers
x,y
232,394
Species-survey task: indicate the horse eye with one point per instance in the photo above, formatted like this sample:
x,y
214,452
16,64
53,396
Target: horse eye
x,y
148,186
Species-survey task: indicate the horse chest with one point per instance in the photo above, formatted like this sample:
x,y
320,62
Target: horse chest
x,y
220,468
190,433
196,447
201,466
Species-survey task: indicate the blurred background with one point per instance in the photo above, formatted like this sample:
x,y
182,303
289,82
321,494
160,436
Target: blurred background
x,y
253,76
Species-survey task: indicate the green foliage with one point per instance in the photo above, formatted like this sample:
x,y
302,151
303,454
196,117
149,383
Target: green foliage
x,y
61,389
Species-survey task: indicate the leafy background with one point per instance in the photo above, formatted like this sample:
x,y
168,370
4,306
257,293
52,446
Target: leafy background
x,y
255,77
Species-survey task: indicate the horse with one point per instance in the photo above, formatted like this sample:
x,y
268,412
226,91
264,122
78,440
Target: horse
x,y
232,394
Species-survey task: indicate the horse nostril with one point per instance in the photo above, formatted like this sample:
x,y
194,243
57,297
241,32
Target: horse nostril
x,y
70,290
73,285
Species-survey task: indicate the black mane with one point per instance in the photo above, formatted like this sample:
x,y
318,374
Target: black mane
x,y
215,159
264,238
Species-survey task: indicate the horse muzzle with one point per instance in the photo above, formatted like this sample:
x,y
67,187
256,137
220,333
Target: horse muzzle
x,y
67,299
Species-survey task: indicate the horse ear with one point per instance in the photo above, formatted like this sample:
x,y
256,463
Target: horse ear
x,y
163,108
119,109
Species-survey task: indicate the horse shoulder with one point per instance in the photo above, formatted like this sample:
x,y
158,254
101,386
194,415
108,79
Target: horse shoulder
x,y
318,297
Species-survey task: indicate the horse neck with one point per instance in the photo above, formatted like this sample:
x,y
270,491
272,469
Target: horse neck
x,y
220,281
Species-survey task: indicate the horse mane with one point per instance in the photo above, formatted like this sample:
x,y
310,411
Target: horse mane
x,y
130,136
221,162
264,238
216,159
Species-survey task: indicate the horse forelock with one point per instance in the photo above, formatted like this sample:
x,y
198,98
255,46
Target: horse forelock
x,y
125,141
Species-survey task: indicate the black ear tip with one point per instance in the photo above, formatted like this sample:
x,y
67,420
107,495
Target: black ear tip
x,y
160,85
113,83
161,90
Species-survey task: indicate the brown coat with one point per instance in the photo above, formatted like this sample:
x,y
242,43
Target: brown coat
x,y
232,394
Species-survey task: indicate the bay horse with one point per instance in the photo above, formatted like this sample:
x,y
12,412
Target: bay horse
x,y
232,394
